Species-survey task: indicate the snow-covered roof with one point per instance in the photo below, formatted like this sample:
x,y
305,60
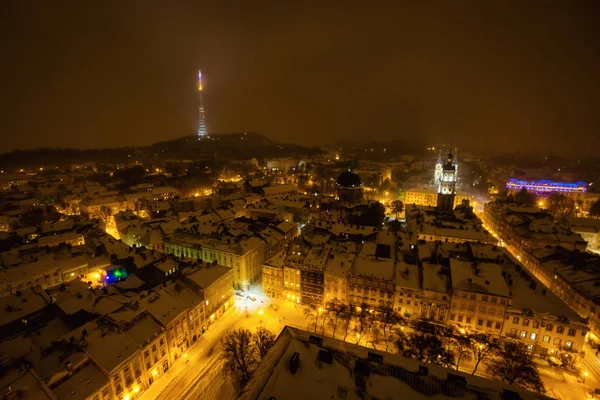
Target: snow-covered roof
x,y
15,307
186,296
143,330
368,264
110,349
407,276
278,260
206,276
538,299
478,277
320,380
434,280
164,307
26,384
82,384
339,264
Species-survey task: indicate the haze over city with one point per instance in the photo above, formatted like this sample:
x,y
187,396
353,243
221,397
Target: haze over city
x,y
512,76
298,200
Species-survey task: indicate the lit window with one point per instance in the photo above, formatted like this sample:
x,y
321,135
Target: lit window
x,y
568,345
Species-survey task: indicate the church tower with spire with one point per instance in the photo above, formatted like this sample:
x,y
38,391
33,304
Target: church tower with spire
x,y
447,185
437,174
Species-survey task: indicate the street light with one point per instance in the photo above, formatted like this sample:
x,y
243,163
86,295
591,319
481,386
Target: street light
x,y
260,312
585,374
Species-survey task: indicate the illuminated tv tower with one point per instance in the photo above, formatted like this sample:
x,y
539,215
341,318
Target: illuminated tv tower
x,y
201,122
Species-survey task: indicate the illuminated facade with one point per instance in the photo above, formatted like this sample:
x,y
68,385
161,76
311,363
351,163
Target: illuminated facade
x,y
439,166
447,184
201,121
546,186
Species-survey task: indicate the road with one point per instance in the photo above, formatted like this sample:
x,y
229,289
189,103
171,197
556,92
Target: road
x,y
195,376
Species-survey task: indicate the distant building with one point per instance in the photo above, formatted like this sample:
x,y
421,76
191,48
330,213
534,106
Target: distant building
x,y
589,229
545,188
523,228
349,186
429,197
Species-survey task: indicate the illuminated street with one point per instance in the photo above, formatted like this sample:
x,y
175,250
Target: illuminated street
x,y
200,375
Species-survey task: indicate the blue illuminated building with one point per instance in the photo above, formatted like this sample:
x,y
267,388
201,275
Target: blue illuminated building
x,y
547,186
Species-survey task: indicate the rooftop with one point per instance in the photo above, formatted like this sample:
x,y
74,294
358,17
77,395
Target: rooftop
x,y
16,307
318,379
369,263
143,330
478,277
206,276
82,384
109,349
163,306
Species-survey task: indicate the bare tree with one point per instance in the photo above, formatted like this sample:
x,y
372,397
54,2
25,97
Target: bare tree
x,y
389,319
397,207
313,315
239,353
374,335
462,345
325,317
347,317
263,340
337,311
364,322
515,366
561,205
431,346
401,343
482,348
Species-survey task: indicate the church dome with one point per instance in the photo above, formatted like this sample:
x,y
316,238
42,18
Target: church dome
x,y
349,179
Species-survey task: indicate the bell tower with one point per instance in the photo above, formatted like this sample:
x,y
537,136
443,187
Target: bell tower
x,y
447,184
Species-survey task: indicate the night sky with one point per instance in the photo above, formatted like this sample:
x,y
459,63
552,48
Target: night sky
x,y
505,75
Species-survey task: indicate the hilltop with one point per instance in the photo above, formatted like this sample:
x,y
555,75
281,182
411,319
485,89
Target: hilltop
x,y
222,147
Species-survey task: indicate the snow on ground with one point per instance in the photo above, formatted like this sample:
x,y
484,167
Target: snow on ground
x,y
201,374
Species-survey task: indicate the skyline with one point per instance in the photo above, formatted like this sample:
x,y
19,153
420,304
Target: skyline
x,y
509,77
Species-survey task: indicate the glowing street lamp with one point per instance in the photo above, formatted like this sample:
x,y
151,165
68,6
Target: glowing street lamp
x,y
260,312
